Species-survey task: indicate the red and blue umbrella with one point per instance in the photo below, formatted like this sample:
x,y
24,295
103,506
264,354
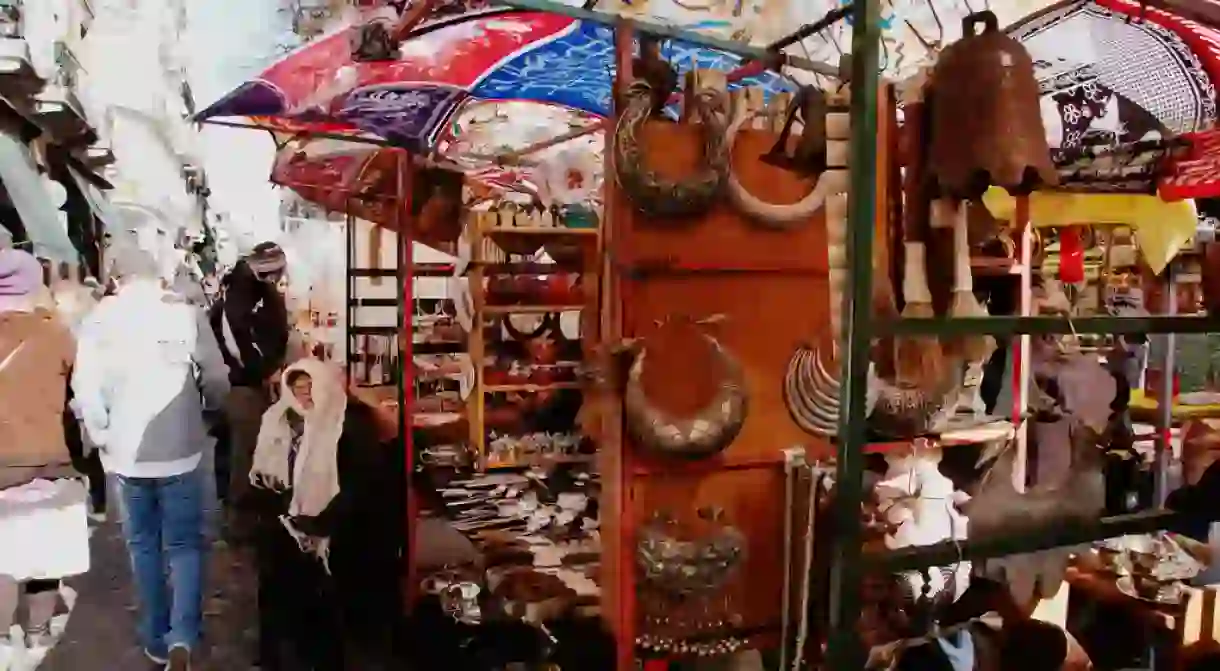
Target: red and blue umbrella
x,y
490,54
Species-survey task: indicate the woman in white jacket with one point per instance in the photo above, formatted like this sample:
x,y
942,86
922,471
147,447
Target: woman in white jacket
x,y
148,366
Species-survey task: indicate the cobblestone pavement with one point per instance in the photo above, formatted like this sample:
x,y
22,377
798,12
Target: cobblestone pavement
x,y
101,631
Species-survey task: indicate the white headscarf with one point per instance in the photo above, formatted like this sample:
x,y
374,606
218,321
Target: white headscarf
x,y
315,476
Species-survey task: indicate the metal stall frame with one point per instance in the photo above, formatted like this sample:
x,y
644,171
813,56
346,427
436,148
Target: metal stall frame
x,y
404,275
849,564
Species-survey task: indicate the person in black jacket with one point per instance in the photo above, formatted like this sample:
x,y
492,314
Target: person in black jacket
x,y
329,527
251,323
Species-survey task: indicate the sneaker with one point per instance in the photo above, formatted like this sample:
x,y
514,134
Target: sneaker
x,y
155,659
38,643
39,639
8,654
179,659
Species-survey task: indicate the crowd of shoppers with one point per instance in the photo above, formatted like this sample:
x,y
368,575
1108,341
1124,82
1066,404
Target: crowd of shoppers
x,y
138,384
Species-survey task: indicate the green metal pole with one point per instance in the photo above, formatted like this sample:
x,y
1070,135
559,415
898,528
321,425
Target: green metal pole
x,y
845,652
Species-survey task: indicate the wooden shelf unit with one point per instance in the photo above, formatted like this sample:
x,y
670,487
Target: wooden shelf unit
x,y
482,228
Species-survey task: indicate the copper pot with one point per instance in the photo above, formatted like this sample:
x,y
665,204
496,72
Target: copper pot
x,y
542,351
504,290
502,417
542,375
555,289
495,376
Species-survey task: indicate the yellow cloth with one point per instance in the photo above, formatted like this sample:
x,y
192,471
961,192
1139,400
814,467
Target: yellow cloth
x,y
1161,228
1141,403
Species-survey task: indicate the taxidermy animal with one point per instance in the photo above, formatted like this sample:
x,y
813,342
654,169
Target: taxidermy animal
x,y
660,75
809,155
998,508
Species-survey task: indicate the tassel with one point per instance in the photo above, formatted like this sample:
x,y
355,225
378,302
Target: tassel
x,y
919,359
1071,256
974,348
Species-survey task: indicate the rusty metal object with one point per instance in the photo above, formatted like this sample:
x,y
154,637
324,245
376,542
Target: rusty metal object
x,y
986,121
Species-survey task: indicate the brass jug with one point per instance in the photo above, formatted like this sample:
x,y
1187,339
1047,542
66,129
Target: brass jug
x,y
986,124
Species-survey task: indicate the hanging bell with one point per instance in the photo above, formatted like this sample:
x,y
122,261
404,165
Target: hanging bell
x,y
986,123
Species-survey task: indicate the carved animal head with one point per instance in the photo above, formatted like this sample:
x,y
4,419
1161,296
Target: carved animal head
x,y
809,156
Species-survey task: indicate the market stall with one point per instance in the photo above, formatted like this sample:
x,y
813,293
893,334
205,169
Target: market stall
x,y
772,291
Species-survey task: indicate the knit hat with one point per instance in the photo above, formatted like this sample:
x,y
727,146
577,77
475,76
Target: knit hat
x,y
267,259
20,277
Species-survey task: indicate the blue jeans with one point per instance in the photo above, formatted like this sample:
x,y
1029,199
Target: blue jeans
x,y
163,523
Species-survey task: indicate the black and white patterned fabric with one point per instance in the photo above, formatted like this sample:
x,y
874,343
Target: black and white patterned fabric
x,y
1113,88
1105,75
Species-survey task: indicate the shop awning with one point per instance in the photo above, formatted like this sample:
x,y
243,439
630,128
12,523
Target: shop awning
x,y
46,229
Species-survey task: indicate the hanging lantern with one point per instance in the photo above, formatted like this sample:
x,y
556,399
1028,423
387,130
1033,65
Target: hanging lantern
x,y
986,123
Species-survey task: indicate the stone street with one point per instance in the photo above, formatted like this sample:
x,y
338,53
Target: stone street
x,y
101,632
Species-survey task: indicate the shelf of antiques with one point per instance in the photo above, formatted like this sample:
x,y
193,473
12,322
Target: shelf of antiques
x,y
533,559
726,374
528,294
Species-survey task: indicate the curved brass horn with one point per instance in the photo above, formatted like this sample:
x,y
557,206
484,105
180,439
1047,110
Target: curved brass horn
x,y
703,434
652,194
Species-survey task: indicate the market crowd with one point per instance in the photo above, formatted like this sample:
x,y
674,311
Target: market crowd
x,y
139,382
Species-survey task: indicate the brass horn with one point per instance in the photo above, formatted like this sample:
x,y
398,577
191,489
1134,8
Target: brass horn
x,y
703,434
652,194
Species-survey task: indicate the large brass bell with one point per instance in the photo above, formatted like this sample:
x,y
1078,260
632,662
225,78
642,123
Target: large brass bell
x,y
986,124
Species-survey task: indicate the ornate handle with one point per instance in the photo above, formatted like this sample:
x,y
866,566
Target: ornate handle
x,y
990,23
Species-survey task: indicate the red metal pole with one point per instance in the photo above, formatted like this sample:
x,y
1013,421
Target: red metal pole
x,y
624,617
406,401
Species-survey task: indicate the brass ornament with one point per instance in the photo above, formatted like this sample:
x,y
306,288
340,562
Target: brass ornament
x,y
653,195
986,120
703,434
810,107
682,568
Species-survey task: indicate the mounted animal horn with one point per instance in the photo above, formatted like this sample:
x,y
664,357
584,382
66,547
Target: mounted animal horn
x,y
812,154
703,434
986,117
652,194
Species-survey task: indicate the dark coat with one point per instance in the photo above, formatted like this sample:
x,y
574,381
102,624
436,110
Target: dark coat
x,y
366,525
258,322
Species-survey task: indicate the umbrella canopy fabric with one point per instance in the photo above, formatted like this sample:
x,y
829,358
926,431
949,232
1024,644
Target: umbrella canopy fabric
x,y
362,180
495,54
